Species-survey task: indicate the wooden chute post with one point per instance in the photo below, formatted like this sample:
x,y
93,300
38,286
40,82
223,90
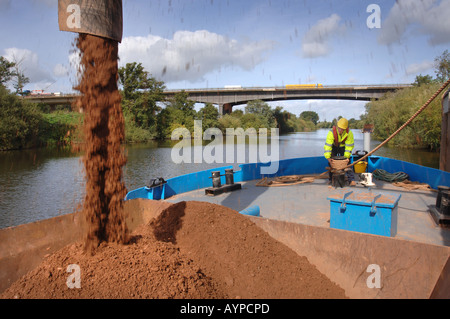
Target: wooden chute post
x,y
101,18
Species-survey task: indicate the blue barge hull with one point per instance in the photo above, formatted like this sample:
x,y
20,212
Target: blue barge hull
x,y
298,166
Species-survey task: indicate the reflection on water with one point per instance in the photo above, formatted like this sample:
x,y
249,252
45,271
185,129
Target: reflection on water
x,y
39,184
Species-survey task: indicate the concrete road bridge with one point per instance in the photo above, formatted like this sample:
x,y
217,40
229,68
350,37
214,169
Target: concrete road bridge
x,y
228,97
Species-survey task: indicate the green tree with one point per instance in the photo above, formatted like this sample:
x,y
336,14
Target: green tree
x,y
163,122
6,71
19,77
230,121
237,113
20,81
423,79
442,65
301,125
324,124
20,122
209,115
179,112
355,124
263,111
133,77
335,121
140,96
284,120
252,120
310,116
181,102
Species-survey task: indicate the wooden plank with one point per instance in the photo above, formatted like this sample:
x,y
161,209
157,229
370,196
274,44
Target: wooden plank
x,y
101,18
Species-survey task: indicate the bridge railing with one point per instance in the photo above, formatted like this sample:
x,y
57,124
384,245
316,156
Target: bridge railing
x,y
257,88
237,89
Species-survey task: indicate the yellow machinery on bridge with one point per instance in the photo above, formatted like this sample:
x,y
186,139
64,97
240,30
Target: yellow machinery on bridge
x,y
303,86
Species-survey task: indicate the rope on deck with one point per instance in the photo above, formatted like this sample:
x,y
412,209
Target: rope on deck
x,y
411,186
286,181
389,177
400,179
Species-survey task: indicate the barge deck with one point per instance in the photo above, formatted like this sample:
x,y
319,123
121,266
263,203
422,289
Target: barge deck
x,y
308,204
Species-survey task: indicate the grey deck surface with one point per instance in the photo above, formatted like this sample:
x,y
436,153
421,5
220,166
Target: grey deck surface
x,y
308,204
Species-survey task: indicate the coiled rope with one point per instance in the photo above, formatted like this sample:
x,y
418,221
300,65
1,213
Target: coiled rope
x,y
390,177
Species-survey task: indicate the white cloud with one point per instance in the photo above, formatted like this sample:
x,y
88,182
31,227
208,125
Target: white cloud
x,y
28,64
191,55
316,41
429,17
417,68
60,70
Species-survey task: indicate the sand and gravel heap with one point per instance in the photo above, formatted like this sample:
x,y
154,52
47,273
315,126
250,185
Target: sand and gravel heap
x,y
190,250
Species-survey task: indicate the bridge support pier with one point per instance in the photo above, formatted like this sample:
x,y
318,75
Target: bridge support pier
x,y
225,108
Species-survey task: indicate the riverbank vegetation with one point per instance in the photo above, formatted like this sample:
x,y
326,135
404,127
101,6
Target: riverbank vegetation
x,y
27,125
394,109
148,116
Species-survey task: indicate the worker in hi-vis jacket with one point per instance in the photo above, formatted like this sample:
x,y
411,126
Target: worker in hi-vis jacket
x,y
340,142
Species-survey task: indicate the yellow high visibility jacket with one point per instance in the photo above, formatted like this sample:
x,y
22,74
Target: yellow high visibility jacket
x,y
347,140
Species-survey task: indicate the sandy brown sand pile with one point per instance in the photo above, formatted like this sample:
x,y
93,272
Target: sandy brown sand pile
x,y
191,250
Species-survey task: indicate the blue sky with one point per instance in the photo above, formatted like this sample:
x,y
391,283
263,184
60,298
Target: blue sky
x,y
213,43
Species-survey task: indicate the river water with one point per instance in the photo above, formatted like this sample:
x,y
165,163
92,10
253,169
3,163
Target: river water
x,y
43,183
